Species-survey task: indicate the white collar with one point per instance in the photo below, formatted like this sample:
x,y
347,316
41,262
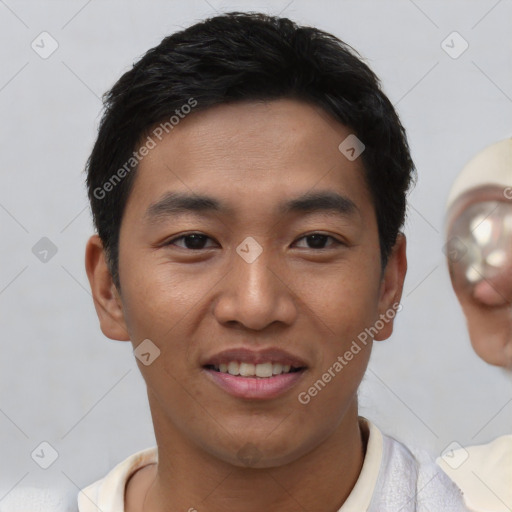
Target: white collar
x,y
107,494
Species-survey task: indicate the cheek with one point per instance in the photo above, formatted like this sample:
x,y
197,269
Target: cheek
x,y
345,299
155,296
342,311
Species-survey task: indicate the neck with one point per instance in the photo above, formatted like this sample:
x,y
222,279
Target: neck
x,y
187,478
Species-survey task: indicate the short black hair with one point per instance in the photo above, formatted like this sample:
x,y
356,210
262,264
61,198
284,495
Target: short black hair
x,y
248,56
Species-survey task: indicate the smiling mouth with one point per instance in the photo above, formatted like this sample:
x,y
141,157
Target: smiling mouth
x,y
262,370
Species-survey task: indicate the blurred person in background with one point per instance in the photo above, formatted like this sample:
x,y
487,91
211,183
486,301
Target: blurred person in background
x,y
479,254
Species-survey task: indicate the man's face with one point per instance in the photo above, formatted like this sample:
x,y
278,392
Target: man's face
x,y
248,237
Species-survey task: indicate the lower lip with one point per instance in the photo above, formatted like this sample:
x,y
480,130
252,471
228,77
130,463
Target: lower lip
x,y
255,388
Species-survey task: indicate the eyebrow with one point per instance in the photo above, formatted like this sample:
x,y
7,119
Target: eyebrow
x,y
321,201
174,203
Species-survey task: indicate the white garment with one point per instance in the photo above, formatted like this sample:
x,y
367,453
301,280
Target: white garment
x,y
392,479
485,474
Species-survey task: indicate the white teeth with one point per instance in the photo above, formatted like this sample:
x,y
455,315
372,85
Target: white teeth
x,y
233,367
247,370
262,370
277,368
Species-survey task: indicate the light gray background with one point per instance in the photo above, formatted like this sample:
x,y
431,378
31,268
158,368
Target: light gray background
x,y
63,382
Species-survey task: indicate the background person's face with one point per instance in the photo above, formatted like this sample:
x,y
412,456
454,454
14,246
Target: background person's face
x,y
481,272
196,297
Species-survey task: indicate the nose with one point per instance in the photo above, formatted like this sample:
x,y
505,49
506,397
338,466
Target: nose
x,y
255,294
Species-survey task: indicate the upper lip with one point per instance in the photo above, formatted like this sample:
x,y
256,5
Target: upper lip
x,y
245,355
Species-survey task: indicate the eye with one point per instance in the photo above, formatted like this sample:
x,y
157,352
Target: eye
x,y
192,241
318,241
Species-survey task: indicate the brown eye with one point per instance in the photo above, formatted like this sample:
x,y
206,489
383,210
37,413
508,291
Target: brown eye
x,y
193,241
319,241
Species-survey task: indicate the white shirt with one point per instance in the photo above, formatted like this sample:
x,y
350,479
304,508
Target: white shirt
x,y
392,479
484,473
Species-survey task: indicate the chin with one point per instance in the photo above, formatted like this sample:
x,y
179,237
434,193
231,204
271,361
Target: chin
x,y
496,353
261,451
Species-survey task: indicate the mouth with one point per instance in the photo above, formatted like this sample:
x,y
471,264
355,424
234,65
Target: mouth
x,y
262,370
254,375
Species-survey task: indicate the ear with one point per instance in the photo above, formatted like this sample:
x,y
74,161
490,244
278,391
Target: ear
x,y
107,300
391,286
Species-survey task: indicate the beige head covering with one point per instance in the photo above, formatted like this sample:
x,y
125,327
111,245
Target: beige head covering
x,y
492,166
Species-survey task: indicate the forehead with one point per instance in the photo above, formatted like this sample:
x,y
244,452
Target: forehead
x,y
252,154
